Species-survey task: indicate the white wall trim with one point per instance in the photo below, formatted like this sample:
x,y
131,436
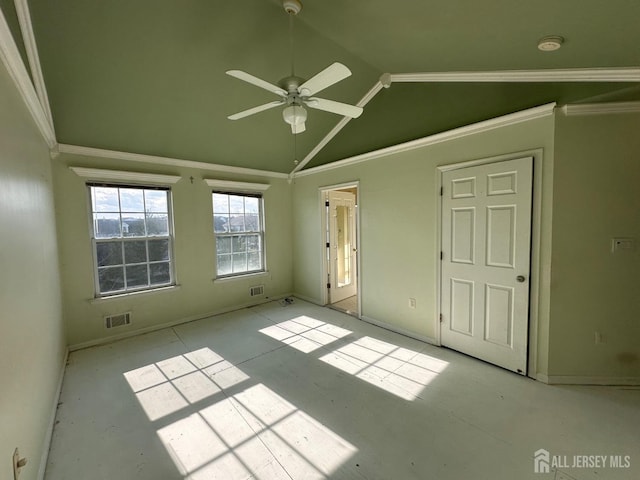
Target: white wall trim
x,y
624,74
591,380
153,328
227,185
601,108
315,301
335,130
401,331
10,56
456,133
48,437
24,17
137,157
100,174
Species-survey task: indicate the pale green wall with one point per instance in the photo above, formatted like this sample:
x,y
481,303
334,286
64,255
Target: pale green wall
x,y
198,295
596,198
398,214
32,346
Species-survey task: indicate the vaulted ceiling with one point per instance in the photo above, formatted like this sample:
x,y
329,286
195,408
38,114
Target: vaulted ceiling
x,y
148,76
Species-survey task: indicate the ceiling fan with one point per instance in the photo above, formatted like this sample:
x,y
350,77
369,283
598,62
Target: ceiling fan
x,y
295,92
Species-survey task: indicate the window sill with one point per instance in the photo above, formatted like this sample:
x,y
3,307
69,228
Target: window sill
x,y
121,296
242,277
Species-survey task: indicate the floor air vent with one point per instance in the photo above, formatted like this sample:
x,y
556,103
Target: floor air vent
x,y
117,320
257,290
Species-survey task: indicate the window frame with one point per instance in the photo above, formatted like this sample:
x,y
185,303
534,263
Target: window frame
x,y
125,239
261,233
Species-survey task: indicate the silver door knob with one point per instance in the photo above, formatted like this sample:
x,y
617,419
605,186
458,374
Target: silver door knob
x,y
520,278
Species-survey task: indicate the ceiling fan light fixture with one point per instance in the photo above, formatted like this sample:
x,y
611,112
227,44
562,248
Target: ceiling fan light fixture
x,y
550,43
294,114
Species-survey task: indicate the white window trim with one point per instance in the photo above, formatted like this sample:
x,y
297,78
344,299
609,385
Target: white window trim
x,y
122,296
99,174
99,296
239,187
220,186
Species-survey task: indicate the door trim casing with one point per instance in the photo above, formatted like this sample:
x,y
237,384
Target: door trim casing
x,y
536,277
325,267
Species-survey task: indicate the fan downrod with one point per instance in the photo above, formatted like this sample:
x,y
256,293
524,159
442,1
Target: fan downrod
x,y
292,7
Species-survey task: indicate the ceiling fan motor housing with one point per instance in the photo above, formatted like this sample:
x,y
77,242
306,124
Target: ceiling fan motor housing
x,y
292,7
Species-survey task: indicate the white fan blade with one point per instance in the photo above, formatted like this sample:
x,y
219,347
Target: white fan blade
x,y
251,111
334,107
327,77
295,129
247,77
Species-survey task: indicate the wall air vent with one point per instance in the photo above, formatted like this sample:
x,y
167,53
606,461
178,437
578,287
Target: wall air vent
x,y
118,320
256,291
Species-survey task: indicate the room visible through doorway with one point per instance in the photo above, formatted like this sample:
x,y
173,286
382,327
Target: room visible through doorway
x,y
341,248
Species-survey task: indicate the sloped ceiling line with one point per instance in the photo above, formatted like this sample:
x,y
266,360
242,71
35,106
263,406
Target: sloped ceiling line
x,y
10,56
335,130
624,74
26,27
484,126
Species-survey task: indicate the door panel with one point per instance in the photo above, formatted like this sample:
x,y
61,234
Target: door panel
x,y
486,234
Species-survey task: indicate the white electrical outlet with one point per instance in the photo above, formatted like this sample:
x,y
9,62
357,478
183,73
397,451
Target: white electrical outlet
x,y
412,303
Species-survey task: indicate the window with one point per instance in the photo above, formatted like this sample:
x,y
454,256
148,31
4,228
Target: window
x,y
237,225
132,238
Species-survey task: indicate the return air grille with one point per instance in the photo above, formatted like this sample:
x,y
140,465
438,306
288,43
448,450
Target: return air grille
x,y
118,320
257,290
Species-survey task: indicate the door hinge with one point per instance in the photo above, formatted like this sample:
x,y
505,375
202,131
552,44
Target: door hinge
x,y
328,285
441,191
441,255
440,318
326,204
328,245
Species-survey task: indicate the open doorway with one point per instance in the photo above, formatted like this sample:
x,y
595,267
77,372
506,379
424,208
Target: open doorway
x,y
340,247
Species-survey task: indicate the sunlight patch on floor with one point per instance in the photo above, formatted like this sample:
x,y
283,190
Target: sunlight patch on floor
x,y
165,387
252,434
305,334
400,371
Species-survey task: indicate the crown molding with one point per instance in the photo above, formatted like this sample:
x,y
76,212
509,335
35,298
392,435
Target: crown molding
x,y
26,27
12,60
99,174
623,74
601,108
227,185
140,158
456,133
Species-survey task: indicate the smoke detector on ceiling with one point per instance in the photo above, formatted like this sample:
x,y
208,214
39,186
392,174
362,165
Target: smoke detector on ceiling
x,y
550,43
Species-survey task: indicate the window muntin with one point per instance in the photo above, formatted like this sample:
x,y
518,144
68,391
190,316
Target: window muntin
x,y
132,238
239,233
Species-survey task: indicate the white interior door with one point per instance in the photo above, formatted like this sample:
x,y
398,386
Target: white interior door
x,y
342,246
486,235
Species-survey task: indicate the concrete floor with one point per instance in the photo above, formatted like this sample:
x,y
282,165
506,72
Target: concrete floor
x,y
302,392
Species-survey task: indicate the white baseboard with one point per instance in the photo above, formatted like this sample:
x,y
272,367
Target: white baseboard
x,y
589,380
153,328
541,377
401,331
44,458
315,301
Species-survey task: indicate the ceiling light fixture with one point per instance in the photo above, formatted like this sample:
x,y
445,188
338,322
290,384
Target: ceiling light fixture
x,y
550,43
